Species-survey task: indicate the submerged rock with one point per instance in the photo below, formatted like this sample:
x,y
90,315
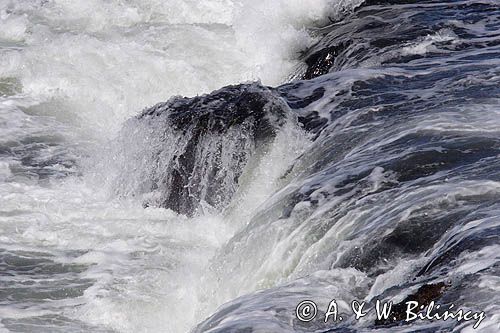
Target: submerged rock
x,y
199,147
423,296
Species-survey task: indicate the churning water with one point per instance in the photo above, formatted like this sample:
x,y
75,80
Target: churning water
x,y
381,176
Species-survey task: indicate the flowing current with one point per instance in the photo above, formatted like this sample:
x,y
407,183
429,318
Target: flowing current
x,y
355,157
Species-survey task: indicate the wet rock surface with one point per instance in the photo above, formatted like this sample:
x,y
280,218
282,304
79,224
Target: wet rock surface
x,y
423,296
208,141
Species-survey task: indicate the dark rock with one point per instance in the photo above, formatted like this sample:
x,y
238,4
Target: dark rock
x,y
423,296
208,141
320,62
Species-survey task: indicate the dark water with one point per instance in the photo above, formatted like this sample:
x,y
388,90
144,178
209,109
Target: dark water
x,y
372,174
400,187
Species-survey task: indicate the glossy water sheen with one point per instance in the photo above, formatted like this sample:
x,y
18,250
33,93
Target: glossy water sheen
x,y
390,182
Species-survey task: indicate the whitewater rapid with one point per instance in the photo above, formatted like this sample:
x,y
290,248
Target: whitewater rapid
x,y
102,61
71,73
383,180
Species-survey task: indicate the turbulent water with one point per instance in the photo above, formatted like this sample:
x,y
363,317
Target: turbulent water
x,y
384,179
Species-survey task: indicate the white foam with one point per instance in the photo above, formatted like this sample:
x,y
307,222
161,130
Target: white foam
x,y
104,61
83,68
430,43
13,27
